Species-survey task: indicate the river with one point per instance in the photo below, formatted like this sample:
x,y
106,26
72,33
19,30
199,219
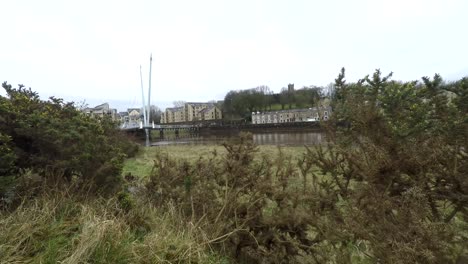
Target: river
x,y
277,138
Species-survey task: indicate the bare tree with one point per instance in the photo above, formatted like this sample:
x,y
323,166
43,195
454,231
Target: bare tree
x,y
81,105
178,103
155,114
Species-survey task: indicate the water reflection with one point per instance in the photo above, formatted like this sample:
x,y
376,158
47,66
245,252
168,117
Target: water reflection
x,y
290,139
278,139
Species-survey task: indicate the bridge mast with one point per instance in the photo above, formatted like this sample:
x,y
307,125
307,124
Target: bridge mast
x,y
143,99
147,117
149,90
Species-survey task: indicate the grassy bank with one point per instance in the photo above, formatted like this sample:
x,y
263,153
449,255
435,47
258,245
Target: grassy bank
x,y
170,134
141,164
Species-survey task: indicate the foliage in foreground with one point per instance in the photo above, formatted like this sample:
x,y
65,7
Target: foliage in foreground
x,y
392,188
283,211
57,142
400,163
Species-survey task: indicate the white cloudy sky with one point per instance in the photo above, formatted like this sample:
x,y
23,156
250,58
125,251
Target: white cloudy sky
x,y
201,49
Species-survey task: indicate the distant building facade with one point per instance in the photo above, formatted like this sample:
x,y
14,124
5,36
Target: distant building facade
x,y
211,112
123,117
173,115
293,115
191,112
101,111
133,116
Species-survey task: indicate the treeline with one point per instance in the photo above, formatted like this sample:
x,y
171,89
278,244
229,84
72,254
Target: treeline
x,y
241,103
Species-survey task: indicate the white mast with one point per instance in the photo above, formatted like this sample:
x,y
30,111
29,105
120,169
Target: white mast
x,y
149,90
143,98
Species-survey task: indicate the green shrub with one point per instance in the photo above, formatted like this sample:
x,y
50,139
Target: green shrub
x,y
252,210
57,141
125,200
389,187
7,155
399,167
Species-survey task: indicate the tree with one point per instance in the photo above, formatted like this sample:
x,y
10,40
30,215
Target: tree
x,y
155,114
242,103
236,103
284,97
340,87
263,95
228,107
7,155
330,90
308,96
178,103
291,92
399,167
270,99
247,102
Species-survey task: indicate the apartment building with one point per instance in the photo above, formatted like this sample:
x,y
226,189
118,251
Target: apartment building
x,y
210,113
191,112
173,115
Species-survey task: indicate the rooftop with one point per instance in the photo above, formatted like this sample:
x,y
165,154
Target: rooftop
x,y
174,108
204,110
291,110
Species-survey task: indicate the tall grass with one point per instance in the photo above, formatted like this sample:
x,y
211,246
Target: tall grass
x,y
58,227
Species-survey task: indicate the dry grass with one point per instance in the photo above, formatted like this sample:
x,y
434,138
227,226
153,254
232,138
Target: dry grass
x,y
58,228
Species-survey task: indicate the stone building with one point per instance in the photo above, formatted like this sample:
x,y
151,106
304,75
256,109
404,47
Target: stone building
x,y
293,115
134,115
101,111
191,112
210,113
173,115
123,117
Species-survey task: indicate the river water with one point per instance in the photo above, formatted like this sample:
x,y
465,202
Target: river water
x,y
277,139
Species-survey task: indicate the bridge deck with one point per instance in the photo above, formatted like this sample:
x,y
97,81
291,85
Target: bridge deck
x,y
133,126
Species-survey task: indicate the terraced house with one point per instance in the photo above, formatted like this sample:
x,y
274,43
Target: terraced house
x,y
191,112
101,111
293,115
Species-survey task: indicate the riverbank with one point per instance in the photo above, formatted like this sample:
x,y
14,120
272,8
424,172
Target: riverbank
x,y
141,164
262,128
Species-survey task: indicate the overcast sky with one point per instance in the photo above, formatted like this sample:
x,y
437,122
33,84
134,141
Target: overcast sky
x,y
202,49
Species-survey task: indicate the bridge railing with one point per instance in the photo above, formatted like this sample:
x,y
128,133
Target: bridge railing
x,y
139,125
